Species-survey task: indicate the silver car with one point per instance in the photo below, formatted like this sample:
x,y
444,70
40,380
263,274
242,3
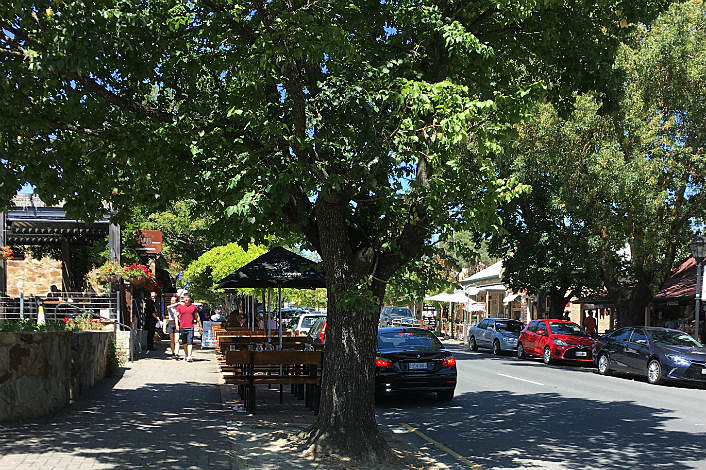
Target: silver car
x,y
497,334
397,316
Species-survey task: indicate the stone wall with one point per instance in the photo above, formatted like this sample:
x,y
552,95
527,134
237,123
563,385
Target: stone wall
x,y
36,276
42,372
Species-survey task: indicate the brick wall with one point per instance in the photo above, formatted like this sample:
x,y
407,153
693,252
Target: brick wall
x,y
36,276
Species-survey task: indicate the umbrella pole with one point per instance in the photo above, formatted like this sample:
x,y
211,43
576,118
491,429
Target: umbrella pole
x,y
269,316
279,311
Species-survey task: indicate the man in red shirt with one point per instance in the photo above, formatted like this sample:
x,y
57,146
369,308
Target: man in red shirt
x,y
590,324
187,315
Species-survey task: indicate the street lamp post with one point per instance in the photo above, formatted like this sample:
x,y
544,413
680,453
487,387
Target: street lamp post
x,y
698,251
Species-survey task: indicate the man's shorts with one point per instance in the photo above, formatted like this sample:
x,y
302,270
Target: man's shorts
x,y
186,335
171,327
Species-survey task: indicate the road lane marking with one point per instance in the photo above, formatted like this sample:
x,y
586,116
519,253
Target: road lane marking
x,y
442,447
517,378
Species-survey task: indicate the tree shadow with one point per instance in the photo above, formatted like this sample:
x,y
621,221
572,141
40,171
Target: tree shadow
x,y
499,429
153,425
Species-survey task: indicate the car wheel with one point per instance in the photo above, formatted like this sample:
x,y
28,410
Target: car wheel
x,y
446,395
603,364
472,345
547,357
520,351
496,348
654,372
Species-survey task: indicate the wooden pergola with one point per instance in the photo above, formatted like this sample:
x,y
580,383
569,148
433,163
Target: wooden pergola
x,y
31,222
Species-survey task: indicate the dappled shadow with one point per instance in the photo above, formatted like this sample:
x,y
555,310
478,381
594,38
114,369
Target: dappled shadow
x,y
135,425
499,429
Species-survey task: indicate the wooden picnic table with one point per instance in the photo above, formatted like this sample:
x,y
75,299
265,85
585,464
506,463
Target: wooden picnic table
x,y
296,368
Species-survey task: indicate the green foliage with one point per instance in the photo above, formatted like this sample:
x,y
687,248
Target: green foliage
x,y
204,273
114,360
305,297
30,324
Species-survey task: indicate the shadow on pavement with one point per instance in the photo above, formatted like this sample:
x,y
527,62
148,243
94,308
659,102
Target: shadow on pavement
x,y
499,429
154,425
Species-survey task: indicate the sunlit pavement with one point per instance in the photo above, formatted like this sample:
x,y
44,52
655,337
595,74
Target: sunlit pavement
x,y
512,414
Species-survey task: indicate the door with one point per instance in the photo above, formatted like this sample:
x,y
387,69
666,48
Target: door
x,y
481,335
616,348
540,338
530,337
637,351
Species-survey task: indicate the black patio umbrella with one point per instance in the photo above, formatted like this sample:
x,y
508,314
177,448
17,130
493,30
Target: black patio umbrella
x,y
278,268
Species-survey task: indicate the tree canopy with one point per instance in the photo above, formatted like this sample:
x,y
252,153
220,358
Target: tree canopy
x,y
614,190
365,126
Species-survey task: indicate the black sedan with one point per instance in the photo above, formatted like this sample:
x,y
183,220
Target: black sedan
x,y
413,359
659,353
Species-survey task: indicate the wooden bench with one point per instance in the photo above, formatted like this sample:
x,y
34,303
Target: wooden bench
x,y
252,368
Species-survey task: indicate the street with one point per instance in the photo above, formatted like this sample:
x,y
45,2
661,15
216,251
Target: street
x,y
512,414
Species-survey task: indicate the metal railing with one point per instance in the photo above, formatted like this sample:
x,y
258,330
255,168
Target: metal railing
x,y
60,306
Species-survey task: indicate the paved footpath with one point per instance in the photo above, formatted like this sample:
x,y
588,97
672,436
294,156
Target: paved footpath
x,y
162,413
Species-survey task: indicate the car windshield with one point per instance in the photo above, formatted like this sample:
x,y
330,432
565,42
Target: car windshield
x,y
673,338
400,312
308,321
571,329
511,326
415,339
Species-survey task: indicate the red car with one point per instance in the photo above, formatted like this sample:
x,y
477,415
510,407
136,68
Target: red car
x,y
554,340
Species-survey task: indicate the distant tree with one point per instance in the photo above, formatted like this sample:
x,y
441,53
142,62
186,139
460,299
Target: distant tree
x,y
204,274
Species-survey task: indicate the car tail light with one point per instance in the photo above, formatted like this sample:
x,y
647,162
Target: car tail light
x,y
383,363
449,362
323,333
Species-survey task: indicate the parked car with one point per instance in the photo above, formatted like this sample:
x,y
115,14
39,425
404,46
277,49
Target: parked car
x,y
658,353
498,334
317,332
413,359
397,316
553,340
304,323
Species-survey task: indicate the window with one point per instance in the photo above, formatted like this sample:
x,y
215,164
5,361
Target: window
x,y
533,326
621,335
571,329
416,339
638,335
483,325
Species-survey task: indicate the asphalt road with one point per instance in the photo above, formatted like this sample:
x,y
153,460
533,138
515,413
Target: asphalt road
x,y
512,414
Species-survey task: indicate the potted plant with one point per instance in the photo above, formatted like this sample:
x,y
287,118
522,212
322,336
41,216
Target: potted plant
x,y
110,272
6,253
137,275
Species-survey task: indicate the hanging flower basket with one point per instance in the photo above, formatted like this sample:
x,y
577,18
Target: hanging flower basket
x,y
137,275
110,272
6,253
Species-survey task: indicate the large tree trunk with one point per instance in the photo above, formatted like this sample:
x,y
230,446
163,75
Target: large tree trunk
x,y
346,423
558,304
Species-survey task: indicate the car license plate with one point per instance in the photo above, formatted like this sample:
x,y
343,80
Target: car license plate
x,y
703,371
580,353
417,365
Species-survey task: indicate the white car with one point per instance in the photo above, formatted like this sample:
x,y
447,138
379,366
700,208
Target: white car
x,y
305,322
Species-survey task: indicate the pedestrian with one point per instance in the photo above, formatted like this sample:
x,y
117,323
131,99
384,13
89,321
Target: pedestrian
x,y
187,315
171,325
242,321
260,322
590,324
151,319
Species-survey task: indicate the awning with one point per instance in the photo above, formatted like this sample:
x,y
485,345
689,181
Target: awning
x,y
493,287
510,298
471,290
457,297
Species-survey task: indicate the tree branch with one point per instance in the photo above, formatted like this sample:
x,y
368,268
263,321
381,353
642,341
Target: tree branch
x,y
117,100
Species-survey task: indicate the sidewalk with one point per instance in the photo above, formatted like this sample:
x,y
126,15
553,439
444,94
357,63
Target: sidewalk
x,y
162,413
